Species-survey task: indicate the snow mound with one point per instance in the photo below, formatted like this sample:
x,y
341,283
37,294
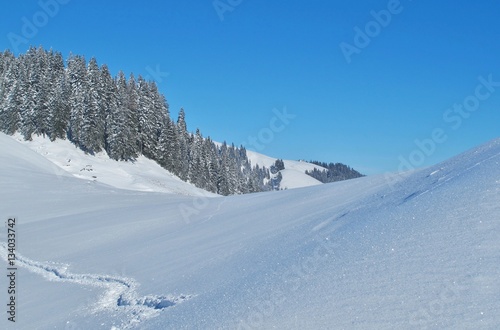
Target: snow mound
x,y
142,175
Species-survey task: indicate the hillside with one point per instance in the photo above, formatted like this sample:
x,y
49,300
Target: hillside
x,y
144,174
294,174
421,252
42,94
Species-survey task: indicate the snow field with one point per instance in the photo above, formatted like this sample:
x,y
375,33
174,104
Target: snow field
x,y
420,252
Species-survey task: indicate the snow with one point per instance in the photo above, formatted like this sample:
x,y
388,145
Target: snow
x,y
143,174
295,179
412,251
294,174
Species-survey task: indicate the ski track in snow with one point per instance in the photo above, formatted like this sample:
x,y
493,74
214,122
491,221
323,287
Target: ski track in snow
x,y
444,180
120,292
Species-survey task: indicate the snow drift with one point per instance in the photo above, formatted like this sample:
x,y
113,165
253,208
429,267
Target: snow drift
x,y
412,251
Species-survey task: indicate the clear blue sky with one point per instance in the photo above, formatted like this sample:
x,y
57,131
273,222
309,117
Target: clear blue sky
x,y
230,74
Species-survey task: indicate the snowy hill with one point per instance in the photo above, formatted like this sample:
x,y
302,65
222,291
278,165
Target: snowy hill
x,y
294,175
145,174
415,251
142,175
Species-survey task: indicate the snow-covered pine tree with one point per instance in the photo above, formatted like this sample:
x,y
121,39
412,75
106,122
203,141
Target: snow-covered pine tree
x,y
148,126
170,151
38,95
182,138
115,128
160,115
58,95
77,79
132,118
212,165
29,79
93,123
223,181
41,91
196,164
11,98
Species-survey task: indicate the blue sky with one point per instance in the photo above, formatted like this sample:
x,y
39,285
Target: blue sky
x,y
235,64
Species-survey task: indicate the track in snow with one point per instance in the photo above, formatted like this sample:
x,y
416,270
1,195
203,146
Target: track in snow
x,y
120,292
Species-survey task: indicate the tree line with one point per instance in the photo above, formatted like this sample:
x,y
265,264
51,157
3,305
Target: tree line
x,y
333,172
42,94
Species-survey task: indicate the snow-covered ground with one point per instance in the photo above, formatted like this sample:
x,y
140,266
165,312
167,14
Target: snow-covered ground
x,y
145,174
142,174
417,251
294,175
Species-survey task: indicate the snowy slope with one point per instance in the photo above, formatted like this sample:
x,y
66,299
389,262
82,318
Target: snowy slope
x,y
143,174
406,252
294,174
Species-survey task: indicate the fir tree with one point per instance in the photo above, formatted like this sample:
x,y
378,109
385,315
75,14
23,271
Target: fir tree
x,y
58,94
38,95
77,77
92,129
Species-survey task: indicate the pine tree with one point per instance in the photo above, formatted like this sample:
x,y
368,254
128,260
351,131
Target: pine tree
x,y
77,98
148,126
29,85
159,116
58,95
41,92
11,98
183,145
93,123
171,153
211,165
196,166
115,104
38,95
132,117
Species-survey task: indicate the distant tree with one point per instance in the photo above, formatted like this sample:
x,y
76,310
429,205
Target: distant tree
x,y
333,172
277,166
276,181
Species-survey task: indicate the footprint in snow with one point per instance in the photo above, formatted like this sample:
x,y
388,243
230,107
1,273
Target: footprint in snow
x,y
120,293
